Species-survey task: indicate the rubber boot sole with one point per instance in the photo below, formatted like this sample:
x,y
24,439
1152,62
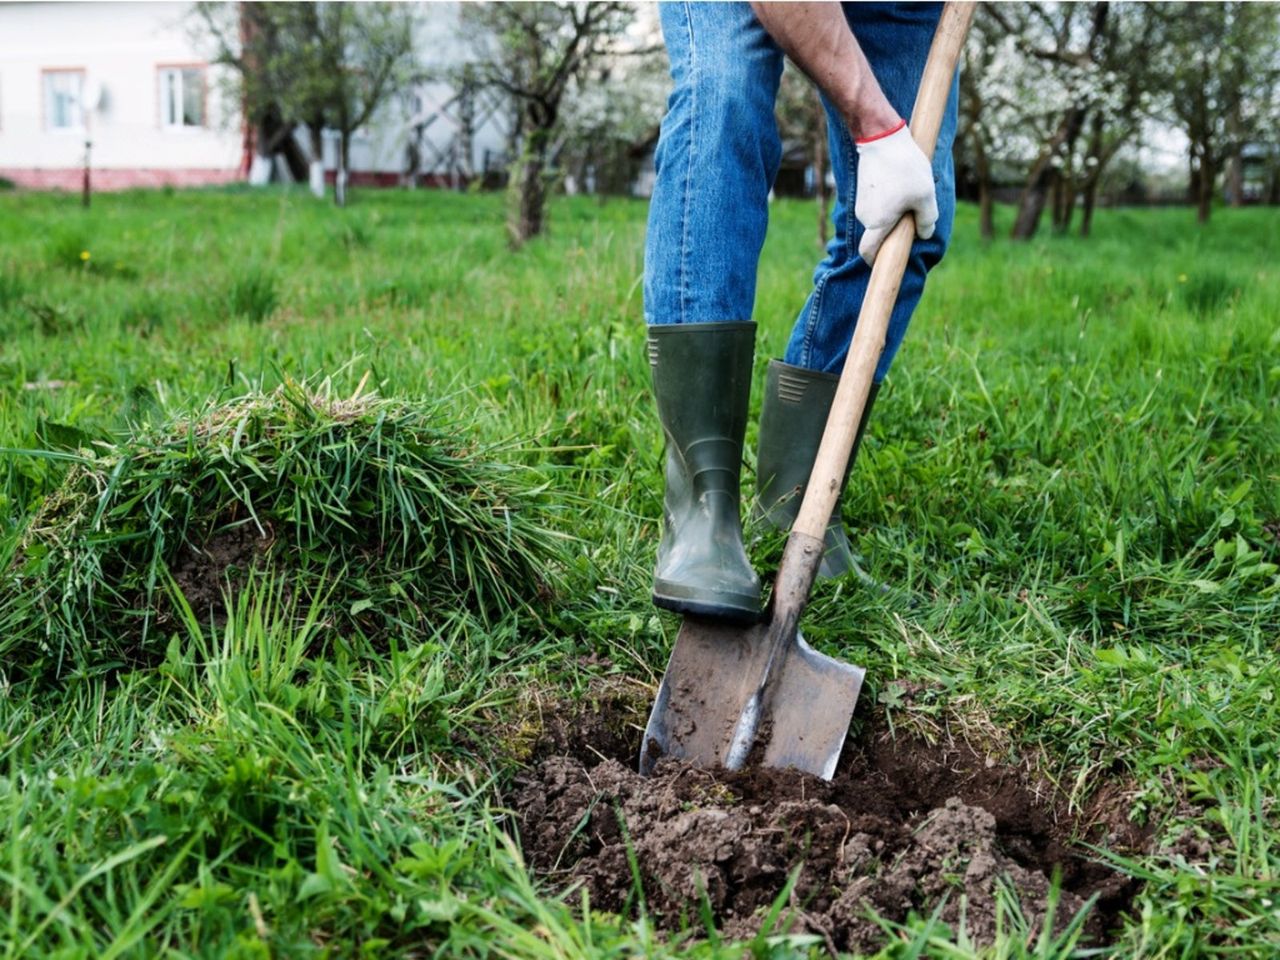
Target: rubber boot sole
x,y
743,611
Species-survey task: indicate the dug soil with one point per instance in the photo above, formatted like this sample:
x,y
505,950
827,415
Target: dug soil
x,y
203,574
905,826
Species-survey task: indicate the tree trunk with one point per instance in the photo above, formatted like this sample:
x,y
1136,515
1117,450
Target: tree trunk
x,y
1094,163
1030,206
1235,158
1068,203
271,131
1204,199
1059,207
86,188
466,134
1036,192
1043,173
1090,198
293,157
528,190
260,170
315,168
820,169
1235,180
344,161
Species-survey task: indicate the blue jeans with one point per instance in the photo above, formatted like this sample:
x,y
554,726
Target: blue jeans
x,y
718,154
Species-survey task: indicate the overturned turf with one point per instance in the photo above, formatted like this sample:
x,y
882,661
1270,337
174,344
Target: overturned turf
x,y
391,509
906,826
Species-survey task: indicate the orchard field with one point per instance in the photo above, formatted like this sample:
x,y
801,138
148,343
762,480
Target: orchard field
x,y
325,540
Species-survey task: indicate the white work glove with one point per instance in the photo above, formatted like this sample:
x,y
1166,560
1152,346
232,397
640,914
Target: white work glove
x,y
894,177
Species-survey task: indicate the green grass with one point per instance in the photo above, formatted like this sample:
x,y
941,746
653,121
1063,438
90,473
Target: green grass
x,y
1074,470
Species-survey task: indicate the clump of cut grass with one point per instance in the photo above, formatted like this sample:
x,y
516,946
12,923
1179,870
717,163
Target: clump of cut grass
x,y
390,499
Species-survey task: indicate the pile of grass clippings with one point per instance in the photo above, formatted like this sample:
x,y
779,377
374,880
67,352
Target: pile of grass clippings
x,y
385,505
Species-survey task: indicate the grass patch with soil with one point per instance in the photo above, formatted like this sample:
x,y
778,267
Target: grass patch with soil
x,y
281,674
396,515
905,828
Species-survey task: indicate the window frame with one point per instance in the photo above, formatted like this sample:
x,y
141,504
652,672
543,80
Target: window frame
x,y
180,68
46,74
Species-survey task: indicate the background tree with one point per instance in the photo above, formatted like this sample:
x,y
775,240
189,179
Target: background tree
x,y
1129,44
355,56
979,100
248,39
322,65
1060,44
609,119
1059,90
1014,101
539,54
1219,73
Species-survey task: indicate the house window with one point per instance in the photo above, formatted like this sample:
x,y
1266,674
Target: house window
x,y
182,96
63,109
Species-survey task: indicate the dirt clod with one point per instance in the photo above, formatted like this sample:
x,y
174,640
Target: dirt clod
x,y
202,573
904,827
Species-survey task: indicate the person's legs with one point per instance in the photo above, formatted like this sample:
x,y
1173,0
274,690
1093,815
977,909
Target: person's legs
x,y
792,418
718,153
896,39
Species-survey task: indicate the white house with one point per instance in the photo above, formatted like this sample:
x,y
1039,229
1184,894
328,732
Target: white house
x,y
133,82
123,76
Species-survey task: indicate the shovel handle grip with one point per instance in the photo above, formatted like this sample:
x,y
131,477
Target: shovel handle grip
x,y
825,480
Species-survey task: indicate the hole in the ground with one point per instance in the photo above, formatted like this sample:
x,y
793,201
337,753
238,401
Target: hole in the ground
x,y
202,574
905,825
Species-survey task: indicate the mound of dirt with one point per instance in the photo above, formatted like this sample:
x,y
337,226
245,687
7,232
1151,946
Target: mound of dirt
x,y
905,826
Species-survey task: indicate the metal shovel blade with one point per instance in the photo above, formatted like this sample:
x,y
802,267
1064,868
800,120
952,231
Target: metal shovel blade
x,y
714,672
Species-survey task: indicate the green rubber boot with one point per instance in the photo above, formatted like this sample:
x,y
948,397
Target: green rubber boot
x,y
702,382
796,404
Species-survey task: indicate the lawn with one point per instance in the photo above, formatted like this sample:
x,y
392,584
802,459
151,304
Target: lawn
x,y
423,472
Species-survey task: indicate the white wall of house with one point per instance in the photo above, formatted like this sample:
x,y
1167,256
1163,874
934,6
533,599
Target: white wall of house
x,y
125,56
109,72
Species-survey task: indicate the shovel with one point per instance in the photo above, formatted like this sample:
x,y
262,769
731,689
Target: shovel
x,y
734,694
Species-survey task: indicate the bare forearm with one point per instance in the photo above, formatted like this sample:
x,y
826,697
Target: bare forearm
x,y
817,37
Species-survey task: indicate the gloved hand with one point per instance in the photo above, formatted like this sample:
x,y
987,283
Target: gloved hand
x,y
894,177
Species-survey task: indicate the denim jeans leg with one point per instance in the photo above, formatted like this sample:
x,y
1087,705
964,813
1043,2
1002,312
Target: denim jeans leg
x,y
718,153
896,38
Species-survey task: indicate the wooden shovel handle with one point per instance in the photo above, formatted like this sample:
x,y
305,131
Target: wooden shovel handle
x,y
823,489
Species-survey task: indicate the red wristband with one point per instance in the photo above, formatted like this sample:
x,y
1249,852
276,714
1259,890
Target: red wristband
x,y
880,136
